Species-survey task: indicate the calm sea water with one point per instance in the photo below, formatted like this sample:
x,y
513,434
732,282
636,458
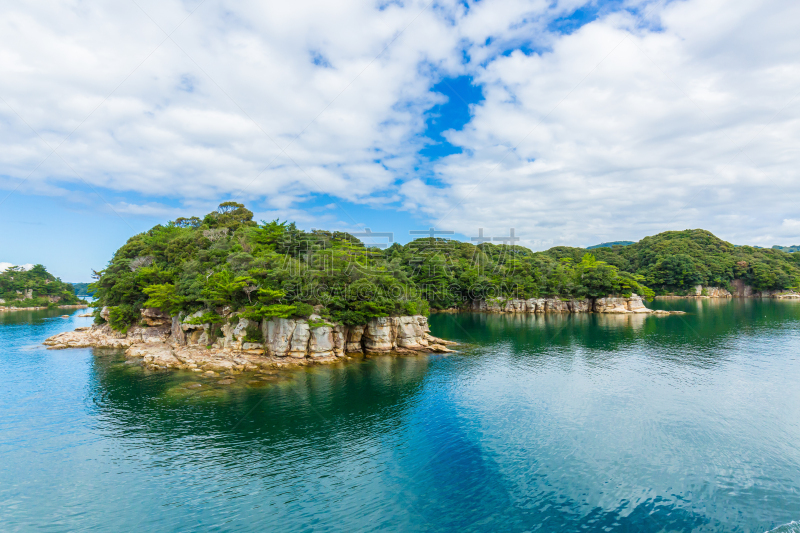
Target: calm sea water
x,y
586,422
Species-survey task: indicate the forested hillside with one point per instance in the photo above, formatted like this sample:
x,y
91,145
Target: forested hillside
x,y
678,260
275,269
791,249
33,288
82,289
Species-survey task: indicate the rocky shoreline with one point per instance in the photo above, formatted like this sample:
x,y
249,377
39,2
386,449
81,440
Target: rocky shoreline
x,y
740,290
611,305
75,306
162,341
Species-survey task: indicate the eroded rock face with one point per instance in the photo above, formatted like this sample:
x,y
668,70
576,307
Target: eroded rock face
x,y
102,336
494,305
339,339
298,345
177,332
233,335
156,355
278,335
380,335
611,304
741,290
354,335
532,305
535,305
410,333
322,343
555,305
711,292
181,345
516,306
633,304
155,317
579,306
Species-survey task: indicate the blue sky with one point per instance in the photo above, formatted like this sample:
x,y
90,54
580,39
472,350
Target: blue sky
x,y
572,122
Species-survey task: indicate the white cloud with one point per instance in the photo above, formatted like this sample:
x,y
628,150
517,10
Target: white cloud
x,y
219,109
619,130
6,266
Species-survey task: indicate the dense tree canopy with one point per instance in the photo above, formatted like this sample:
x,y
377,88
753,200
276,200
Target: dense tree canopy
x,y
226,259
678,260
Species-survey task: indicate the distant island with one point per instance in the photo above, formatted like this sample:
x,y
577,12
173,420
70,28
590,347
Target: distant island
x,y
610,244
34,287
82,289
790,249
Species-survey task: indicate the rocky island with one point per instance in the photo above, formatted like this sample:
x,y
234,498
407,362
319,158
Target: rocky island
x,y
223,292
35,288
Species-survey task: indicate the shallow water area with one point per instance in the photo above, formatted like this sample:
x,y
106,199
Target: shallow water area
x,y
539,423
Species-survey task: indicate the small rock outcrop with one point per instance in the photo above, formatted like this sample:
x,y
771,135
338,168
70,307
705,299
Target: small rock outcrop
x,y
742,290
617,305
739,289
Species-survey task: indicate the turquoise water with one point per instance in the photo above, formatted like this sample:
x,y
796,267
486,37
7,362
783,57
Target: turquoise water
x,y
556,423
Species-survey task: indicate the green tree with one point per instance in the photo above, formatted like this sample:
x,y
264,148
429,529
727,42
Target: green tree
x,y
163,296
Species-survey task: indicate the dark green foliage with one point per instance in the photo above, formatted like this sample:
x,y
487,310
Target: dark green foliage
x,y
227,261
253,334
205,318
16,284
121,316
676,261
303,310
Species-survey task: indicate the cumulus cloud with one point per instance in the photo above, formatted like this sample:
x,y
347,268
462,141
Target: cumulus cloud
x,y
6,266
651,117
622,131
215,107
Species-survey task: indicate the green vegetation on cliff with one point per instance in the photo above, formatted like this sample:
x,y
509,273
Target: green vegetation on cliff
x,y
275,269
34,288
272,269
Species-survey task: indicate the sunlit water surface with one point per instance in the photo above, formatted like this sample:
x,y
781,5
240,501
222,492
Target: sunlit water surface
x,y
554,423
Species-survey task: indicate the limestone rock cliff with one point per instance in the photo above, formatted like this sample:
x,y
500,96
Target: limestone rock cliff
x,y
295,339
632,304
741,290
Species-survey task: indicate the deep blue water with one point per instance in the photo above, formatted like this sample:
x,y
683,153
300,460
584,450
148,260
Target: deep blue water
x,y
554,423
